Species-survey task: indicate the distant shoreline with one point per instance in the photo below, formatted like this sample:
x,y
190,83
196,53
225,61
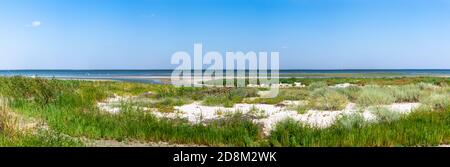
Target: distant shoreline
x,y
167,79
163,76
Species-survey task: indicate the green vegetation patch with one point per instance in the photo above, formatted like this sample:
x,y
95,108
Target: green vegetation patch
x,y
375,96
327,99
422,128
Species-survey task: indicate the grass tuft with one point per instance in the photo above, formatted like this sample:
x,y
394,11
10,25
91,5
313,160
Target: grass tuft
x,y
327,99
374,96
437,102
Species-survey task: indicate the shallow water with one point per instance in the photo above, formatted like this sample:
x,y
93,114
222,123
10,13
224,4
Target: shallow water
x,y
151,76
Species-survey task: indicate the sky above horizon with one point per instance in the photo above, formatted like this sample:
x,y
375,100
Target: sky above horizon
x,y
143,34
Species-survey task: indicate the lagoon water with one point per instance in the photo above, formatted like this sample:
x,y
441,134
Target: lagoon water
x,y
150,76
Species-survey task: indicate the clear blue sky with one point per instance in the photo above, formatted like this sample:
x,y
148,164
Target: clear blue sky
x,y
143,34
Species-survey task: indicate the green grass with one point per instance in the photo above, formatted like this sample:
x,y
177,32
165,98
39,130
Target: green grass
x,y
284,94
317,85
69,109
352,93
437,102
167,104
327,99
274,101
407,93
12,135
421,128
227,98
133,124
386,115
375,95
348,75
372,81
45,139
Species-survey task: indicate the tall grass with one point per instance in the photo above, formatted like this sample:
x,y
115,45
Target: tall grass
x,y
352,92
167,104
42,139
12,135
375,96
317,85
229,97
69,108
327,99
385,115
8,124
407,93
418,129
437,102
72,110
284,94
371,81
294,94
136,125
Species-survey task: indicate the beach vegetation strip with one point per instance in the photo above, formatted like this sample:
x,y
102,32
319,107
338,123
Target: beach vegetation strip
x,y
416,109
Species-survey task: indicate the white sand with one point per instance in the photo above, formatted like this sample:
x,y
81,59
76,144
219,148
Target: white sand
x,y
264,114
271,114
111,105
343,85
